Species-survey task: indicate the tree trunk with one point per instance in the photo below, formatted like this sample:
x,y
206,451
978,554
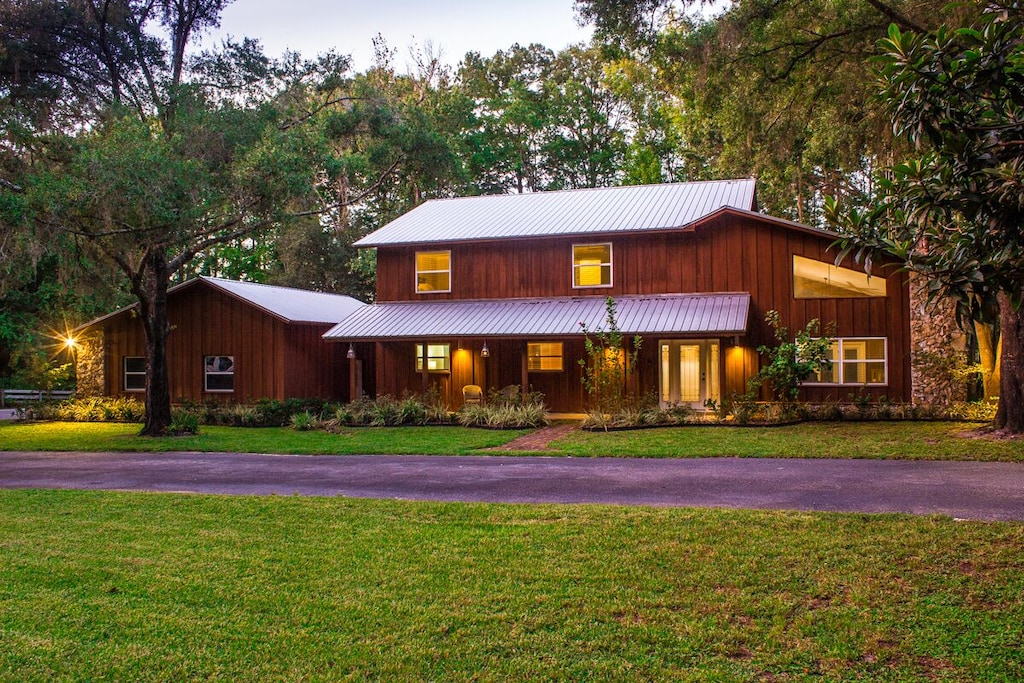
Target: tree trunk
x,y
153,305
988,354
1010,416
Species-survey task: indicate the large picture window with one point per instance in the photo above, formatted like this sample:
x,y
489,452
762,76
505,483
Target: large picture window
x,y
438,357
544,356
855,361
134,373
591,265
819,280
433,271
219,372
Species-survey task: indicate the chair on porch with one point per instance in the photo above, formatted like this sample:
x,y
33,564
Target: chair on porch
x,y
472,395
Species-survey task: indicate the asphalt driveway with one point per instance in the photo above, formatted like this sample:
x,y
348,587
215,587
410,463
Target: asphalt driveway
x,y
966,490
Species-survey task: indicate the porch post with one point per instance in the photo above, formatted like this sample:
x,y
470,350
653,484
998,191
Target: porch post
x,y
425,372
524,364
352,387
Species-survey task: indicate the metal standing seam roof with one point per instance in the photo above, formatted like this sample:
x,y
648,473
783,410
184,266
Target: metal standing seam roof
x,y
683,314
566,212
289,304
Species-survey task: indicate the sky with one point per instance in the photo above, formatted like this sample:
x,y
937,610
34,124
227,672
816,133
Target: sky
x,y
454,26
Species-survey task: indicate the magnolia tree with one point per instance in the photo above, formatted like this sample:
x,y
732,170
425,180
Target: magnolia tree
x,y
954,212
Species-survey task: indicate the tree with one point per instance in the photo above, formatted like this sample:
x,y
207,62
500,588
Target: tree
x,y
777,90
170,156
954,212
609,364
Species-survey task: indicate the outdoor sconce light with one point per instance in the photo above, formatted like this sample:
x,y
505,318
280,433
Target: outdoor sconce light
x,y
351,352
485,352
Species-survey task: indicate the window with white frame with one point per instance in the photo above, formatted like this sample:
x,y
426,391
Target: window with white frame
x,y
437,358
134,373
433,271
219,373
544,356
591,265
855,361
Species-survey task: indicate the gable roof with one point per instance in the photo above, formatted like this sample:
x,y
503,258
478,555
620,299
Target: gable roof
x,y
566,212
670,314
286,303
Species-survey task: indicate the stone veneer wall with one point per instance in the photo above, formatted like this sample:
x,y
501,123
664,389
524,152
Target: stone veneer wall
x,y
89,370
933,329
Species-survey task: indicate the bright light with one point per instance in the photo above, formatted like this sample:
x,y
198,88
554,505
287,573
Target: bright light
x,y
70,342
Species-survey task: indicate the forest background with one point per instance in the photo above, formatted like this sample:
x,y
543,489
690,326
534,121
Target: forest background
x,y
287,161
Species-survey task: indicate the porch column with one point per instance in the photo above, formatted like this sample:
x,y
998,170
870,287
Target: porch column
x,y
425,372
525,365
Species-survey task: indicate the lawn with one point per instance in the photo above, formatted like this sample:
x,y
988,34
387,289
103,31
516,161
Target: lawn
x,y
895,440
99,436
159,587
904,440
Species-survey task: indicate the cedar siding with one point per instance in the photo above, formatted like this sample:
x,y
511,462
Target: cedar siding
x,y
273,358
730,251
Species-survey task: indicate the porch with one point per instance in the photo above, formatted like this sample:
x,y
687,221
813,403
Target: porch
x,y
691,349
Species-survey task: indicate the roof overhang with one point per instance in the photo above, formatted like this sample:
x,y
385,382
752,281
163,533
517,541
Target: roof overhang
x,y
719,314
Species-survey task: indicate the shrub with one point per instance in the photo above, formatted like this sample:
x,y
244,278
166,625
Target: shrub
x,y
974,411
608,365
528,413
305,421
183,422
792,362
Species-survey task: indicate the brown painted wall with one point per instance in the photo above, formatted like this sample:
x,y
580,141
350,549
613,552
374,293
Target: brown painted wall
x,y
272,359
727,254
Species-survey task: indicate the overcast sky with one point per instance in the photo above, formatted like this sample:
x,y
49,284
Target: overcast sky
x,y
455,26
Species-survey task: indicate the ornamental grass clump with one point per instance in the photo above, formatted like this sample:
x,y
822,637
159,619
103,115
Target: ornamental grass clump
x,y
511,414
95,409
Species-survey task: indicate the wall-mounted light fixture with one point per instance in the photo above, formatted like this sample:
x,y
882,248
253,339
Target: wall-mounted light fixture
x,y
351,352
485,352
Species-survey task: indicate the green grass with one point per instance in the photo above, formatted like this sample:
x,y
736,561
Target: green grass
x,y
157,587
98,436
895,440
902,440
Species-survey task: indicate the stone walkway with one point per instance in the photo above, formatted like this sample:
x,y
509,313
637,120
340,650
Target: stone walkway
x,y
539,440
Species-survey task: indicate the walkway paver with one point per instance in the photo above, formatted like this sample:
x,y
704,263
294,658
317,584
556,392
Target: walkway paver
x,y
968,490
537,440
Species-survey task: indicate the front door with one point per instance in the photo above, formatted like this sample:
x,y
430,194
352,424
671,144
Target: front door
x,y
690,371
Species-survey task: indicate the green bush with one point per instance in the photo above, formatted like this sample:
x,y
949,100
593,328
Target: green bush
x,y
506,413
183,423
99,409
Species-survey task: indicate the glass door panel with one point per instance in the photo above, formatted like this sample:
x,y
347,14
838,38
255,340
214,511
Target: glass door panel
x,y
689,373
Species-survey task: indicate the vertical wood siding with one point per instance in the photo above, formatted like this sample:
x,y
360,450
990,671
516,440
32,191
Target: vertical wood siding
x,y
272,359
726,254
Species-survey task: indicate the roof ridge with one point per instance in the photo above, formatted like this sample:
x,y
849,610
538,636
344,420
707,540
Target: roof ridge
x,y
565,190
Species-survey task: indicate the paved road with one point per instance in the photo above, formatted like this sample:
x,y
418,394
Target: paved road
x,y
967,490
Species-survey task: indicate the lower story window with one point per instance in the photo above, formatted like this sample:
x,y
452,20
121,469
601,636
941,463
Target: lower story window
x,y
544,356
438,357
856,361
134,373
219,373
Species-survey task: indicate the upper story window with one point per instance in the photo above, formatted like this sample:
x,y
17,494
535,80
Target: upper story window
x,y
433,271
591,265
818,280
856,361
219,373
134,373
437,358
544,356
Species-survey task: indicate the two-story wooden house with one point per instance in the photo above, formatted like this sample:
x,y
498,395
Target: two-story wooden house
x,y
491,291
